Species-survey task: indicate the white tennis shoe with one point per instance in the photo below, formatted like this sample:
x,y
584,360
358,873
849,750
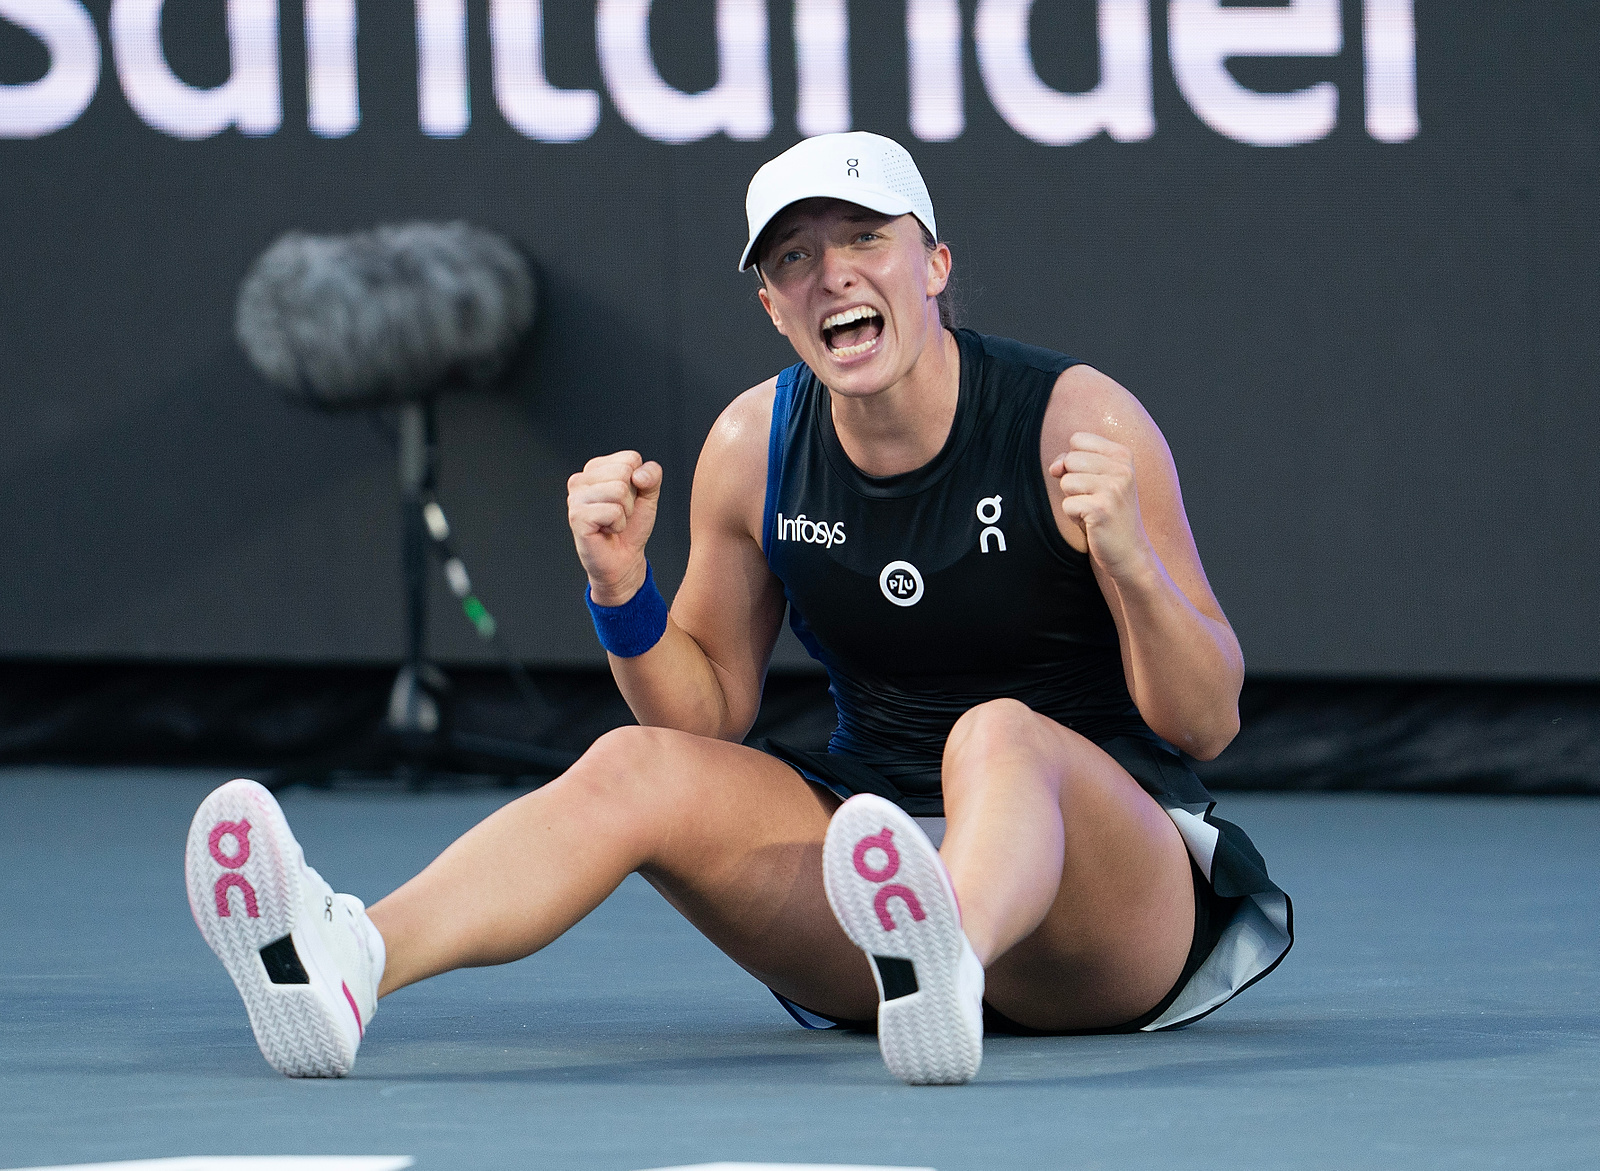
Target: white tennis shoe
x,y
306,960
892,895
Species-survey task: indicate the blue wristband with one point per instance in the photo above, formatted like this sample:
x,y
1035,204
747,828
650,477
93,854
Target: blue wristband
x,y
632,628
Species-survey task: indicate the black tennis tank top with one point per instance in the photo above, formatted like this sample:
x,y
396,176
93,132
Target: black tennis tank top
x,y
927,593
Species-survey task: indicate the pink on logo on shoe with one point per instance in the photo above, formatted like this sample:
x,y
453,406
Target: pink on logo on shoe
x,y
884,840
239,831
879,841
894,890
231,880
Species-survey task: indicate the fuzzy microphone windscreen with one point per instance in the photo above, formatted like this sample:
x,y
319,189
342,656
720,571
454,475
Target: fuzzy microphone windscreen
x,y
390,315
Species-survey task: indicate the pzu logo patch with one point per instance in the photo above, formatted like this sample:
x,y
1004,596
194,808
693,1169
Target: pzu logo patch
x,y
901,583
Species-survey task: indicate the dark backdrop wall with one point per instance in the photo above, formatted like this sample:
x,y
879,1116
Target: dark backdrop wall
x,y
1368,324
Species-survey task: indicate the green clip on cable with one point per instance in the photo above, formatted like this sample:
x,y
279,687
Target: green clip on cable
x,y
461,586
479,617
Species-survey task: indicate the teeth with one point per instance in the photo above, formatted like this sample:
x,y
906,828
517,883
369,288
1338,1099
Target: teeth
x,y
852,351
848,316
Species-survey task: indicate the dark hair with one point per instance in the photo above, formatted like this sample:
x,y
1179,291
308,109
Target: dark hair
x,y
948,316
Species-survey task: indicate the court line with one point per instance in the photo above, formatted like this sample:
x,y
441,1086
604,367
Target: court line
x,y
248,1163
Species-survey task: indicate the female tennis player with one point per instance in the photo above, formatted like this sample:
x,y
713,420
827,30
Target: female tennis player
x,y
985,545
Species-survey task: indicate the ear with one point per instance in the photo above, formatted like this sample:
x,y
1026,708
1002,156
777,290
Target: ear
x,y
772,311
940,263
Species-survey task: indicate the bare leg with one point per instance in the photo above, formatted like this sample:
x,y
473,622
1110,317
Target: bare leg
x,y
731,837
1074,884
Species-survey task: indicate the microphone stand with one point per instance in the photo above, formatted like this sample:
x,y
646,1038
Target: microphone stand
x,y
418,743
419,701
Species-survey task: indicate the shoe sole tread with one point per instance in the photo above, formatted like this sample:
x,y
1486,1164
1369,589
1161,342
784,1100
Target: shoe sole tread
x,y
295,1026
925,1038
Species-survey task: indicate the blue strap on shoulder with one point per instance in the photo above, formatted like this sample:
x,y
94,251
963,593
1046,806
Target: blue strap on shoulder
x,y
632,628
782,408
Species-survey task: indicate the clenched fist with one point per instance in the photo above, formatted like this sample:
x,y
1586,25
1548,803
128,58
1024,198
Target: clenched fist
x,y
611,506
1102,499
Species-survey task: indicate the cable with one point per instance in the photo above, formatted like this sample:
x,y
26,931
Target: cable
x,y
460,583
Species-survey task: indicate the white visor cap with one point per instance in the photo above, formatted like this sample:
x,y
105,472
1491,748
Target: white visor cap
x,y
857,167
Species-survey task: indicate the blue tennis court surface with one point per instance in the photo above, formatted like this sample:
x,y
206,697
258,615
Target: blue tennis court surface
x,y
1441,1009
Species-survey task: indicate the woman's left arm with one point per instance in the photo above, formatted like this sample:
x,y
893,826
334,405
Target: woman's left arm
x,y
1117,498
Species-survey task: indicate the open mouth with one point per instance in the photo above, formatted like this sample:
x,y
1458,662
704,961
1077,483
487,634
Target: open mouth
x,y
852,332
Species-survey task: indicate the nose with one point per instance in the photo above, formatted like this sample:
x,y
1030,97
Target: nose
x,y
838,273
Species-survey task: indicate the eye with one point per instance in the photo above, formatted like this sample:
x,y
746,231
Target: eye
x,y
791,256
868,237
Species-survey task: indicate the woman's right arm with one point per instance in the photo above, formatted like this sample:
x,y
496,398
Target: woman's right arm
x,y
705,674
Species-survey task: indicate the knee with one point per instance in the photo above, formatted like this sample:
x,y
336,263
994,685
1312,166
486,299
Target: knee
x,y
1001,738
634,769
997,727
